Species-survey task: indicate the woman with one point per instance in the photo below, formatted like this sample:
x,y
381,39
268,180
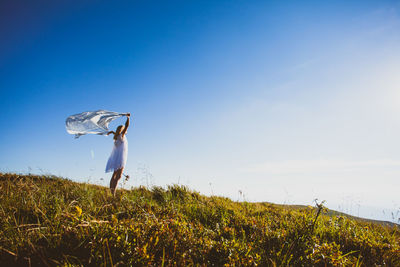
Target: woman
x,y
117,160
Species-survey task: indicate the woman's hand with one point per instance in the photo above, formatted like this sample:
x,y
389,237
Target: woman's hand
x,y
128,114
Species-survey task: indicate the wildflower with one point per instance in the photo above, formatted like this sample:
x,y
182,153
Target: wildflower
x,y
78,211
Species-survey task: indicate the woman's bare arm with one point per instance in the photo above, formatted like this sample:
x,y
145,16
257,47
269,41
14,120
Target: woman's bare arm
x,y
126,124
110,132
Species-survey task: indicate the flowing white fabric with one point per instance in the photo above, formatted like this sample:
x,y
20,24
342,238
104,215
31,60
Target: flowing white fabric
x,y
91,122
119,154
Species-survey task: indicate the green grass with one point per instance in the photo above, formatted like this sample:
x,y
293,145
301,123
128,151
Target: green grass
x,y
53,221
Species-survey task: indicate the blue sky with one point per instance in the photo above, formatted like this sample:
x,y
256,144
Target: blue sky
x,y
285,101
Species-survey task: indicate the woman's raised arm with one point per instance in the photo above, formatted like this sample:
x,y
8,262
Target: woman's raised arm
x,y
126,124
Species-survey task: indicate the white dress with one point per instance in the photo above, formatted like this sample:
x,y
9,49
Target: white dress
x,y
119,154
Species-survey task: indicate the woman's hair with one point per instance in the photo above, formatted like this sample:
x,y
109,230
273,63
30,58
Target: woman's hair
x,y
118,131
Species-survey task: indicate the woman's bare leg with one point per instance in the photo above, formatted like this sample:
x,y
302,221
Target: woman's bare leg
x,y
114,180
112,187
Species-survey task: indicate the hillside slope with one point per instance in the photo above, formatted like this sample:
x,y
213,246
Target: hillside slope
x,y
53,221
338,213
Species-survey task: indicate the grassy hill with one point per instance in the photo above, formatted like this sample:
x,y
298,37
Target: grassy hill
x,y
338,213
53,221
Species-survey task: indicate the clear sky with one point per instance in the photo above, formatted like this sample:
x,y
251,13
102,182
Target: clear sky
x,y
286,101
